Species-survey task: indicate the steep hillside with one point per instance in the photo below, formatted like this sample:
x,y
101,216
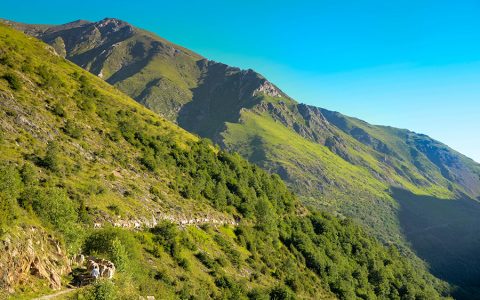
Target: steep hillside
x,y
85,168
335,162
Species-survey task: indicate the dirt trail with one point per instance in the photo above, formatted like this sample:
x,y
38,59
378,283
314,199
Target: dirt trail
x,y
53,296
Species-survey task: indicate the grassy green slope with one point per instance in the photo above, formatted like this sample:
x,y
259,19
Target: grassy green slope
x,y
75,151
332,161
150,69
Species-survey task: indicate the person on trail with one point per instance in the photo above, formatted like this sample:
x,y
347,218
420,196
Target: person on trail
x,y
95,272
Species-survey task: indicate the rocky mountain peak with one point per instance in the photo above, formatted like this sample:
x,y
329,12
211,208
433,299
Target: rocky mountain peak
x,y
268,89
112,25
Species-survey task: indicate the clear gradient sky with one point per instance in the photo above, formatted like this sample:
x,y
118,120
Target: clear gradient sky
x,y
409,64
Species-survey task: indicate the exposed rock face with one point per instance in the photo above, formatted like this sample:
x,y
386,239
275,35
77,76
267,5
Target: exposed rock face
x,y
306,120
268,89
28,253
222,92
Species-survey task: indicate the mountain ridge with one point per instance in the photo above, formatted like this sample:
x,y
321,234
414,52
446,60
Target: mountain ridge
x,y
334,162
81,164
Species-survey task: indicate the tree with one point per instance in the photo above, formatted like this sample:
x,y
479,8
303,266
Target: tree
x,y
266,217
52,157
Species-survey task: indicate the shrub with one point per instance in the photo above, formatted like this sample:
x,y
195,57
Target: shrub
x,y
165,234
114,208
47,77
148,160
7,60
257,294
120,246
53,206
281,293
13,81
87,104
72,129
119,254
101,290
52,159
232,254
10,188
205,259
163,276
28,174
58,110
184,263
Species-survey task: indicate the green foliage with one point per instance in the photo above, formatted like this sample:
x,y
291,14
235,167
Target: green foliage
x,y
13,80
29,174
265,215
352,265
53,206
72,129
7,59
231,252
58,110
119,254
114,208
230,288
48,79
223,179
52,159
278,246
281,293
119,246
101,290
10,189
86,95
205,259
165,234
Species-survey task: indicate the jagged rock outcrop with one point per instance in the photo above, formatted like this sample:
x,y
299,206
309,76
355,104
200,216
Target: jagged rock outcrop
x,y
29,253
268,89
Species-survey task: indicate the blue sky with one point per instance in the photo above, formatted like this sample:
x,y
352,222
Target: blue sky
x,y
409,64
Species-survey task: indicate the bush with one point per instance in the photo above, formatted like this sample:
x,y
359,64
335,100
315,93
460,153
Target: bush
x,y
52,159
13,81
114,208
166,235
87,95
28,174
281,293
53,206
7,60
257,294
120,246
119,254
47,77
72,129
233,255
10,188
101,290
58,110
205,259
87,105
184,263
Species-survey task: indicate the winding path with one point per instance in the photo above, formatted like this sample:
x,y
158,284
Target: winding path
x,y
53,296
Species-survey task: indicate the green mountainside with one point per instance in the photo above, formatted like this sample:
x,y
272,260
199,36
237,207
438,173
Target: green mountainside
x,y
86,169
334,162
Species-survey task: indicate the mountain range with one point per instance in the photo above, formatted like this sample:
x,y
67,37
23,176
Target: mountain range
x,y
408,190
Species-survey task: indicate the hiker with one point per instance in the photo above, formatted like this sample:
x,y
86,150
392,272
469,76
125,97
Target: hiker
x,y
95,272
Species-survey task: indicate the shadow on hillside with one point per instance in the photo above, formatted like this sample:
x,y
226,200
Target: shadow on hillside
x,y
219,97
446,234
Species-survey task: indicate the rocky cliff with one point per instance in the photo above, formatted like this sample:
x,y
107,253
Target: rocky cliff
x,y
30,253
